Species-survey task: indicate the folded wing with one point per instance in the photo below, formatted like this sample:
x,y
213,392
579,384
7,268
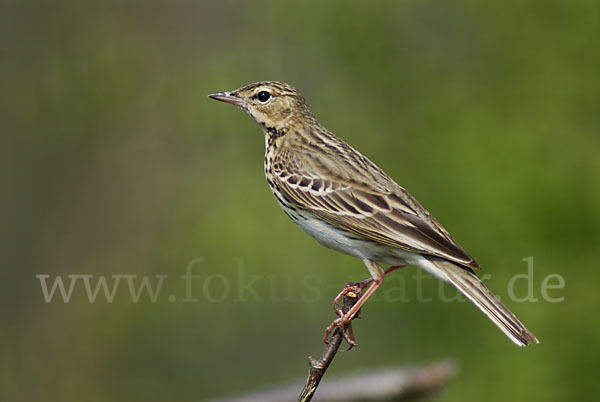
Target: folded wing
x,y
363,201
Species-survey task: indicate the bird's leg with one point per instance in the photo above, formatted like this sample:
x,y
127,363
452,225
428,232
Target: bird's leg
x,y
353,290
358,288
345,319
377,274
368,281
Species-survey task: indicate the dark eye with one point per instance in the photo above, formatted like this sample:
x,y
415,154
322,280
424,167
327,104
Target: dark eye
x,y
263,96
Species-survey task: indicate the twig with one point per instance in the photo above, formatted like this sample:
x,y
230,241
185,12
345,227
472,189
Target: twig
x,y
317,368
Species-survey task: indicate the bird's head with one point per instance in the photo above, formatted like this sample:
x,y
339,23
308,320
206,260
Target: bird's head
x,y
271,104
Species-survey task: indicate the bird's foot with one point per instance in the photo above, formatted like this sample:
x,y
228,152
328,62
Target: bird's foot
x,y
342,324
351,293
348,302
352,290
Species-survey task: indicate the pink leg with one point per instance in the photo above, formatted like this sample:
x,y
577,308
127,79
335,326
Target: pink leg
x,y
351,287
377,275
385,272
345,319
358,287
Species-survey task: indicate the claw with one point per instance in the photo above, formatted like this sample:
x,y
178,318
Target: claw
x,y
341,323
350,339
351,290
356,298
328,332
344,321
353,343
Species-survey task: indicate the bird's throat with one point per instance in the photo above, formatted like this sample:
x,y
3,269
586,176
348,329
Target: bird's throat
x,y
272,134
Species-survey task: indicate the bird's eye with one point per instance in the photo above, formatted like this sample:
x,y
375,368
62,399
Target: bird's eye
x,y
263,96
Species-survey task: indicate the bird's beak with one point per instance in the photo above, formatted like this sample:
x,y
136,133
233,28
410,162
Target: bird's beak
x,y
227,97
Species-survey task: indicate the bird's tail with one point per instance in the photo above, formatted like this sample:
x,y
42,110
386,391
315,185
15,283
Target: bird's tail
x,y
473,288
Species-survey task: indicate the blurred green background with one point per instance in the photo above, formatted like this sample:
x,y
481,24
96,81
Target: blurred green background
x,y
114,162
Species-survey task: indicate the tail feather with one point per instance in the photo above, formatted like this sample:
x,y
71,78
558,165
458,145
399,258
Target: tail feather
x,y
473,288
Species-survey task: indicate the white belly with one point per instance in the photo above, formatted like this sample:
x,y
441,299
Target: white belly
x,y
356,246
343,241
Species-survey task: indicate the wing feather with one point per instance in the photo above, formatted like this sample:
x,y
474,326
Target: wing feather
x,y
370,205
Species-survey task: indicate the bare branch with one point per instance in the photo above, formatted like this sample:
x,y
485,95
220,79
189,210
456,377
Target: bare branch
x,y
317,368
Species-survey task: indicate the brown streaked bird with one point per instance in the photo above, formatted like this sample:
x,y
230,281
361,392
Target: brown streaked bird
x,y
348,204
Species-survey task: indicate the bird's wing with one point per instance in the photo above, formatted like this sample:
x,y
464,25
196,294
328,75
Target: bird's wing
x,y
357,196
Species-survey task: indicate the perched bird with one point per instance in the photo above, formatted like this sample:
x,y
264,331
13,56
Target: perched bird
x,y
349,204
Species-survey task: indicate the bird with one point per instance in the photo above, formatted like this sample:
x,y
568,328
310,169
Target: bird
x,y
349,204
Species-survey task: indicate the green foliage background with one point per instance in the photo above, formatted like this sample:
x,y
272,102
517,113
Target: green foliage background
x,y
114,161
